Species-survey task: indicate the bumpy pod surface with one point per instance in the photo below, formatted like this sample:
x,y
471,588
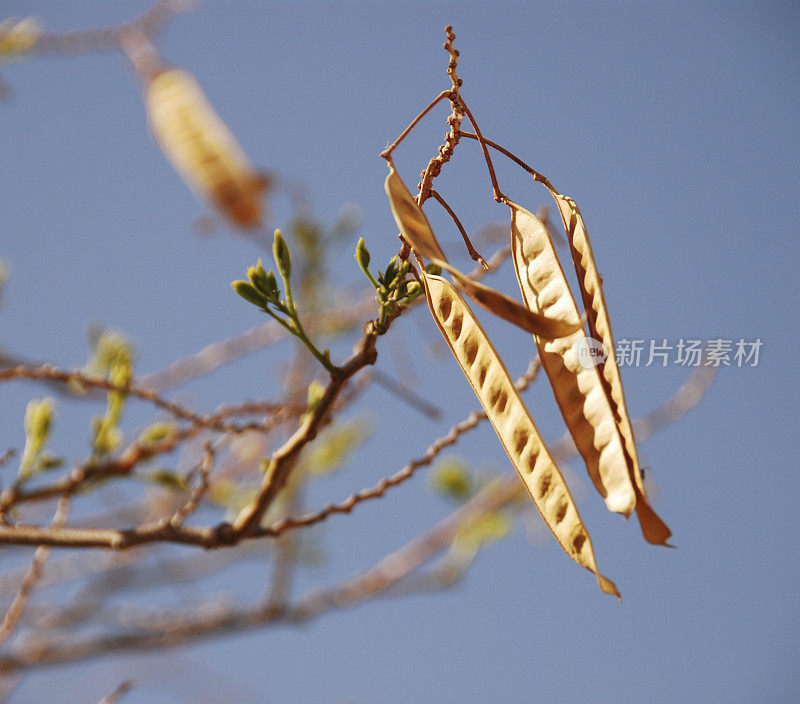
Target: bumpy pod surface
x,y
591,286
577,386
513,424
201,148
416,230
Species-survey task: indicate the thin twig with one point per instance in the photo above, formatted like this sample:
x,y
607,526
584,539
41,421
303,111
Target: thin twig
x,y
6,456
470,248
434,167
113,697
284,459
406,472
151,22
205,467
498,196
47,371
218,354
535,174
205,622
387,153
14,611
407,395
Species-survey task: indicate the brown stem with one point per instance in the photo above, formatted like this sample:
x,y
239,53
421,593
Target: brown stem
x,y
387,153
472,251
535,174
284,459
14,611
498,196
46,371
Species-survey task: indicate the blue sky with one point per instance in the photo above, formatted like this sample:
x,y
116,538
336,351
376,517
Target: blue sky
x,y
673,125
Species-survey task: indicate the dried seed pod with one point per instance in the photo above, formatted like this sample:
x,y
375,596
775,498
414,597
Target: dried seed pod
x,y
410,217
18,37
653,528
508,309
201,147
513,424
417,231
577,386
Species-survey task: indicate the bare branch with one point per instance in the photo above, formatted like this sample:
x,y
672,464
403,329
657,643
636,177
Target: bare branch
x,y
113,697
47,371
14,611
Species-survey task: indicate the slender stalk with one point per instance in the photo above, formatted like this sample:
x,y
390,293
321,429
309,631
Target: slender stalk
x,y
498,196
470,248
535,174
387,153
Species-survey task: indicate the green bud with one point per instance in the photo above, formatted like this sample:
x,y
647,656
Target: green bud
x,y
451,478
390,273
362,254
47,460
107,347
121,370
433,269
257,275
155,433
39,419
37,423
106,435
271,286
249,293
315,393
283,257
412,288
167,479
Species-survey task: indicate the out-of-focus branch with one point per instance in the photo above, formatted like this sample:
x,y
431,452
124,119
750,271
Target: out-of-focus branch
x,y
406,472
170,630
218,354
47,371
120,691
152,22
14,611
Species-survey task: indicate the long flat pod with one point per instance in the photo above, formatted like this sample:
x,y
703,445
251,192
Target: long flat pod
x,y
502,306
577,387
513,424
417,231
201,147
591,286
410,217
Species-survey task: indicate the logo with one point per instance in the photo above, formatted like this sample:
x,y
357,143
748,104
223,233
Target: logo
x,y
590,352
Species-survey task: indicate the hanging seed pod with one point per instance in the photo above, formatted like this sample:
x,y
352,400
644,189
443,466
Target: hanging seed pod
x,y
576,383
416,230
513,424
410,217
202,149
653,528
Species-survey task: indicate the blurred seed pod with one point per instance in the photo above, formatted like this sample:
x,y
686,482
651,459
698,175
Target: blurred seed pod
x,y
202,149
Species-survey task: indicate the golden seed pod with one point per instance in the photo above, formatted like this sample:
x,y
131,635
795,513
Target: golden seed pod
x,y
416,230
17,37
577,386
201,148
591,285
513,424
